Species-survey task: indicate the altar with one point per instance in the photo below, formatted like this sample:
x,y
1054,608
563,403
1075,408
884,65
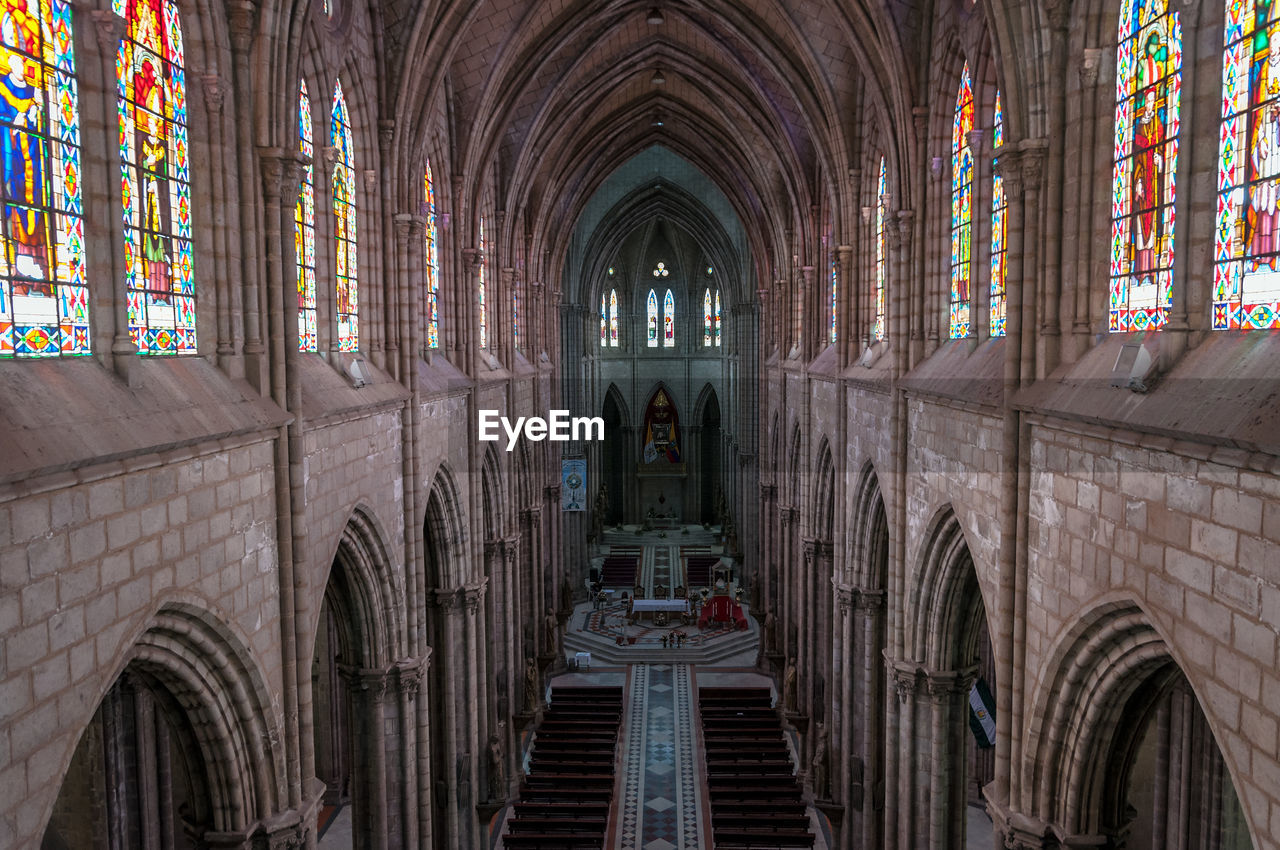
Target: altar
x,y
660,611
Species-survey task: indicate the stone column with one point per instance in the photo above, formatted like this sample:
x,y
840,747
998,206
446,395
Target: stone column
x,y
408,681
1082,323
850,317
114,315
900,808
215,90
448,603
368,689
871,610
842,739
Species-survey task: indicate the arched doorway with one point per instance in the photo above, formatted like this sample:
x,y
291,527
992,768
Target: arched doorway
x,y
950,708
709,476
138,776
1126,757
614,456
181,750
353,691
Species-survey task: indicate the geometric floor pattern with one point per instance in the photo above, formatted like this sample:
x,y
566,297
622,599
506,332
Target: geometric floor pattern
x,y
661,801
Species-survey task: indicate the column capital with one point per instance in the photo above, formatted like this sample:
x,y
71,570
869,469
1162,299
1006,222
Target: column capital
x,y
1089,66
768,492
386,132
870,600
448,599
473,258
904,681
368,680
215,91
243,15
1034,153
109,28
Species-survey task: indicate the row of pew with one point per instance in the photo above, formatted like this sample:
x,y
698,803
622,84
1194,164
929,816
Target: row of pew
x,y
756,802
567,791
620,570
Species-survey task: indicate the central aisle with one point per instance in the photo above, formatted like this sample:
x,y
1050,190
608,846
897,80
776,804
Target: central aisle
x,y
662,805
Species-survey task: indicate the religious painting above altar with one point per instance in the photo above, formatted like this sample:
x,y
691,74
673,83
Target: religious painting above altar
x,y
661,431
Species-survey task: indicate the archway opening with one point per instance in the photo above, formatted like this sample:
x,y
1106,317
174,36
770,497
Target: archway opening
x,y
137,777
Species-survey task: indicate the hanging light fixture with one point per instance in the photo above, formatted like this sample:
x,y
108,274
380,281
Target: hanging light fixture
x,y
658,78
655,17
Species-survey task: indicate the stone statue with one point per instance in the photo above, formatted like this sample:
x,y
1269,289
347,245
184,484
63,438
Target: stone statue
x,y
551,631
789,687
721,508
530,686
566,595
818,766
601,508
770,630
497,770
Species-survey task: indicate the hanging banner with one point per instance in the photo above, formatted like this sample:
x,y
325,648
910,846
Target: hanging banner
x,y
982,715
573,485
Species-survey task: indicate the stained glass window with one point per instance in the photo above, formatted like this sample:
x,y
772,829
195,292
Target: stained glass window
x,y
882,192
1246,286
515,319
999,224
304,229
1148,89
344,215
707,319
44,297
668,320
484,304
651,307
717,317
613,318
155,178
835,291
433,264
961,206
604,320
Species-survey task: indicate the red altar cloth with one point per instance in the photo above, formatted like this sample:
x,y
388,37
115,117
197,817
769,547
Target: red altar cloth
x,y
722,609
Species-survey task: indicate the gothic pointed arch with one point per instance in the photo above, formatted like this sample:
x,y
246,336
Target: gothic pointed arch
x,y
1114,708
870,532
444,536
946,604
188,703
822,516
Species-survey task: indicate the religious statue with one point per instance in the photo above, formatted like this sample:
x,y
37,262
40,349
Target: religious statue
x,y
601,508
770,627
721,508
530,686
551,631
789,696
566,594
818,765
497,770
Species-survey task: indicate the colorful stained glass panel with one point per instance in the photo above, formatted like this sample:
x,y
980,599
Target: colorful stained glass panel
x,y
304,229
706,318
432,264
651,309
44,297
878,327
613,318
961,207
668,320
155,178
1148,100
1246,285
344,219
999,226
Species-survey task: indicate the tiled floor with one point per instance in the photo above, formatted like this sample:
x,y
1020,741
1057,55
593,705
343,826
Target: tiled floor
x,y
661,802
